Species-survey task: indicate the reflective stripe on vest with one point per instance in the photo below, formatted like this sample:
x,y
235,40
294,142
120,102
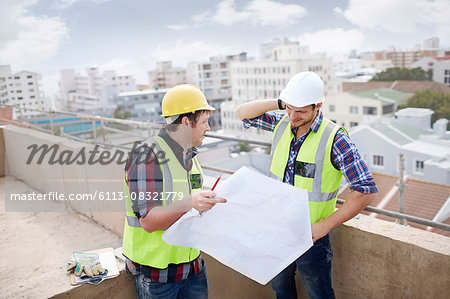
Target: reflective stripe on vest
x,y
317,147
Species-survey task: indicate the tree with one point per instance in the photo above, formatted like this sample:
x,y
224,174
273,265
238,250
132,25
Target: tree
x,y
126,114
437,101
397,73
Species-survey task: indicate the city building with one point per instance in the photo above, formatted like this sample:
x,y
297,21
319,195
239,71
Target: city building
x,y
91,90
22,89
214,78
431,43
351,109
439,65
283,49
426,150
166,76
144,105
265,79
359,67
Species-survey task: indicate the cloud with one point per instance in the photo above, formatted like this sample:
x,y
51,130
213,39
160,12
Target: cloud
x,y
177,27
27,40
191,51
399,16
333,40
255,13
63,4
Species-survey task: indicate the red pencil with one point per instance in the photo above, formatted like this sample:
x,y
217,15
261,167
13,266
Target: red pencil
x,y
215,184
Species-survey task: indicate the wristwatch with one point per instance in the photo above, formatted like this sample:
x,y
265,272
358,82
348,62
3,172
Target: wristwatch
x,y
280,106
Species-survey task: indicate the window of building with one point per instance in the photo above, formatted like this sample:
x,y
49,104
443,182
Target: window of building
x,y
353,124
206,66
17,77
223,65
29,76
378,160
32,97
332,108
19,91
370,110
20,98
419,167
30,83
354,109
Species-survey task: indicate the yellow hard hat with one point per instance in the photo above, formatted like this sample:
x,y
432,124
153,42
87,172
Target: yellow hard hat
x,y
182,99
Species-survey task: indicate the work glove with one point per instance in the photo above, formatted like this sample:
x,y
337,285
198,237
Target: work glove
x,y
87,263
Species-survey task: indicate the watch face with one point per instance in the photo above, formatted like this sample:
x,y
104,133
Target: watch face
x,y
196,181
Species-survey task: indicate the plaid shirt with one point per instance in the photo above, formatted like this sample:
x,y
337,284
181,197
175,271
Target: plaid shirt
x,y
344,155
145,176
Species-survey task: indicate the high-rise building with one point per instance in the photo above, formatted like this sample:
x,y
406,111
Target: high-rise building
x,y
283,49
92,89
22,89
264,79
214,79
431,43
166,76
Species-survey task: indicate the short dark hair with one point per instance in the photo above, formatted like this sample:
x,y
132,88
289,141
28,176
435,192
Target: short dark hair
x,y
193,117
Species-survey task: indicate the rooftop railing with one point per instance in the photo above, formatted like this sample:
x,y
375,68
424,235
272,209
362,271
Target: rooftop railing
x,y
151,127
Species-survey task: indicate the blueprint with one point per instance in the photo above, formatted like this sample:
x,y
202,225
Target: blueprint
x,y
262,228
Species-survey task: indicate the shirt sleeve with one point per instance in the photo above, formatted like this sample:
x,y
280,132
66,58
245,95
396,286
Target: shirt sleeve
x,y
144,181
268,121
346,157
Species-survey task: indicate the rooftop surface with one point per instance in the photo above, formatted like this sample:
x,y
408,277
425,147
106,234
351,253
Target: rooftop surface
x,y
35,246
384,94
421,199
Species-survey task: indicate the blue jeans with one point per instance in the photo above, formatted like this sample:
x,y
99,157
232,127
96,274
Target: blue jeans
x,y
194,287
315,270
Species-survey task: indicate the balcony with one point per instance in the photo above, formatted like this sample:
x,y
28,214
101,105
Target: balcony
x,y
373,258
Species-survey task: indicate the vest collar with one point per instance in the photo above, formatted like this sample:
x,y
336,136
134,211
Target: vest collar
x,y
185,159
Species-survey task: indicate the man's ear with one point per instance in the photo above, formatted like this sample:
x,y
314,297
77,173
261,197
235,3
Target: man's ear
x,y
319,105
185,121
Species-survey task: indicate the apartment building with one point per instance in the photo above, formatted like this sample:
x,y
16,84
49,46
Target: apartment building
x,y
214,78
92,89
350,109
439,65
22,89
283,49
166,76
405,58
264,80
144,105
426,151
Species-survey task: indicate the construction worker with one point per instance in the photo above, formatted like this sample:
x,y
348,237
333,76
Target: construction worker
x,y
162,182
311,152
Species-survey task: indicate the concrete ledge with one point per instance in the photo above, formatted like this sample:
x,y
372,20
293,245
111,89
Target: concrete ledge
x,y
122,286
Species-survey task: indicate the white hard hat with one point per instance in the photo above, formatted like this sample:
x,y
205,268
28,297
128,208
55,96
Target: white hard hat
x,y
303,89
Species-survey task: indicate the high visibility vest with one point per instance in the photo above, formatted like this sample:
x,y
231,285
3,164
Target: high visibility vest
x,y
313,169
147,248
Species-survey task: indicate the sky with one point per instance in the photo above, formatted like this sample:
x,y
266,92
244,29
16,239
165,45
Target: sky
x,y
129,36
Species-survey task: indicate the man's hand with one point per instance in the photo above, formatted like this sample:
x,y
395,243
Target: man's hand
x,y
204,200
319,230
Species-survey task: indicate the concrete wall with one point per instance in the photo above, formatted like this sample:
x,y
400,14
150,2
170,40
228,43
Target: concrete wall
x,y
372,258
78,180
